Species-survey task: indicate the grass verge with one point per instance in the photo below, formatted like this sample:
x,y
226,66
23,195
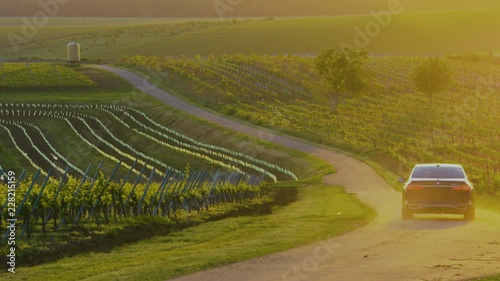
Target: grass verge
x,y
155,248
488,202
318,213
90,237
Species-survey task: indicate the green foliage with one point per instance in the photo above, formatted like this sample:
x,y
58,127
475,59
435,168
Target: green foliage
x,y
196,241
41,76
116,141
342,71
432,76
391,119
63,205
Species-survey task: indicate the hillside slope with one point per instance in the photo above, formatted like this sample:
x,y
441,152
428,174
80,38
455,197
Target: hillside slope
x,y
387,249
413,33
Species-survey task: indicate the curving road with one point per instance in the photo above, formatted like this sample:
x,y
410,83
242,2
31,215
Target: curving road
x,y
426,248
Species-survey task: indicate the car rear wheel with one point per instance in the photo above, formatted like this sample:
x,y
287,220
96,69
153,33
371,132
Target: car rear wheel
x,y
470,214
405,211
407,214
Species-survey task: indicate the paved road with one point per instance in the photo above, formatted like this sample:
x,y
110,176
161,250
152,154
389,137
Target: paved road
x,y
427,248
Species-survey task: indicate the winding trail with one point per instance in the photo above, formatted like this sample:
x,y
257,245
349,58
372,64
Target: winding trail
x,y
426,248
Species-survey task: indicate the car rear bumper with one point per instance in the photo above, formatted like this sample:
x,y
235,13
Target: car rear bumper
x,y
420,208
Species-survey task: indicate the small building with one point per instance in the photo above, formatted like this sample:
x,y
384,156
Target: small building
x,y
73,53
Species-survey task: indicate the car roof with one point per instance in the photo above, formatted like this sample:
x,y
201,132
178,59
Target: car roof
x,y
438,164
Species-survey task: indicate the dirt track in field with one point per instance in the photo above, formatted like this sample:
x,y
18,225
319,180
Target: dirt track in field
x,y
426,248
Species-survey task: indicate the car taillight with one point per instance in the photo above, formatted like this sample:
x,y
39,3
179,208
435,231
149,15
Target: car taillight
x,y
462,187
414,187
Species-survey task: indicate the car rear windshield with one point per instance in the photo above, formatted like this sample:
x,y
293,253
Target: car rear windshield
x,y
438,173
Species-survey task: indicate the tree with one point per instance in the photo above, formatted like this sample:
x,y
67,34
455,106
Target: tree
x,y
432,76
342,71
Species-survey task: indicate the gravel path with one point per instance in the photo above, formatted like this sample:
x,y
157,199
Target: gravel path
x,y
426,248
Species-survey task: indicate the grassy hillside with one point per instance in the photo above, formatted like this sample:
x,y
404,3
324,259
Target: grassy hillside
x,y
389,121
415,33
81,231
113,121
254,8
110,246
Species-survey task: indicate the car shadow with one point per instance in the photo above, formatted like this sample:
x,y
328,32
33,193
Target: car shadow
x,y
428,222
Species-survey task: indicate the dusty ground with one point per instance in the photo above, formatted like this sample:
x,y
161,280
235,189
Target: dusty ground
x,y
427,248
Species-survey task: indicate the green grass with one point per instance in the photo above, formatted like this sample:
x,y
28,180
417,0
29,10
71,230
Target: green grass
x,y
320,212
487,202
41,76
9,158
490,278
317,207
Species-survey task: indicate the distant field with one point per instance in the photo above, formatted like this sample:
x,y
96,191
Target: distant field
x,y
96,39
415,33
438,32
91,21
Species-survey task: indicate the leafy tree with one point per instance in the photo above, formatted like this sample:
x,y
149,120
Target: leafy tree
x,y
342,71
432,76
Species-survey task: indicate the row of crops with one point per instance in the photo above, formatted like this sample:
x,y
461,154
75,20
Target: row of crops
x,y
45,204
45,34
106,130
224,80
460,125
37,76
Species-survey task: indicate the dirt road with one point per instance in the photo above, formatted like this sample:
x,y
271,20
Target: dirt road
x,y
426,248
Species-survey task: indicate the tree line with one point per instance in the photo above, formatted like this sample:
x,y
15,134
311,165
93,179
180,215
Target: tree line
x,y
343,72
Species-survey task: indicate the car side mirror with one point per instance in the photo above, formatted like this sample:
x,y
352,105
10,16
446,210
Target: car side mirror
x,y
402,180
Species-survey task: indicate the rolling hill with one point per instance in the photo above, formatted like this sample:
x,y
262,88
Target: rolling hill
x,y
423,33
